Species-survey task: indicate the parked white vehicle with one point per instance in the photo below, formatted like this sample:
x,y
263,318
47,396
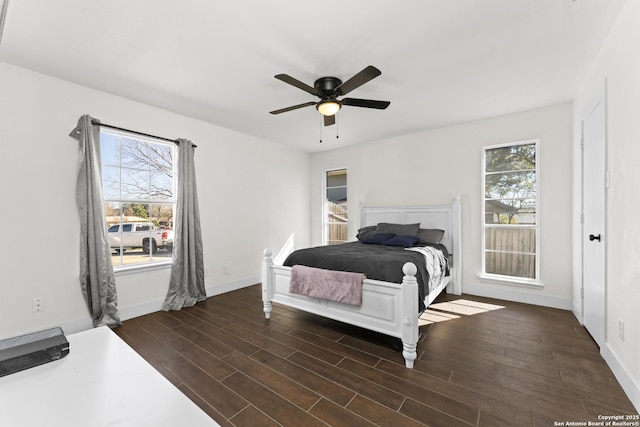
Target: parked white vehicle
x,y
139,235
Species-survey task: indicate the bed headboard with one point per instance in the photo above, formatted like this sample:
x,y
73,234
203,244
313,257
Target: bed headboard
x,y
444,217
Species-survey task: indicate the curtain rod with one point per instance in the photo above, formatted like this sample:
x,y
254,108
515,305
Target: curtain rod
x,y
98,123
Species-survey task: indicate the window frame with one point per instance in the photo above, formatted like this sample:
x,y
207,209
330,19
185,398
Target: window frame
x,y
325,188
516,280
153,262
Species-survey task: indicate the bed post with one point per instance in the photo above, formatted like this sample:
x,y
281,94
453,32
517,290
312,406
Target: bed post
x,y
267,285
409,313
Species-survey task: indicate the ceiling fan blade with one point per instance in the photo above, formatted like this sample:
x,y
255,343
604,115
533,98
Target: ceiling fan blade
x,y
297,83
329,120
367,103
293,107
358,80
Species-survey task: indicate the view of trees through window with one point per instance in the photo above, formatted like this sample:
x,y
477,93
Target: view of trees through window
x,y
510,217
138,185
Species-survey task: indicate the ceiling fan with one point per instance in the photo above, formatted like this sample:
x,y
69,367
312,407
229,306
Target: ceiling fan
x,y
328,89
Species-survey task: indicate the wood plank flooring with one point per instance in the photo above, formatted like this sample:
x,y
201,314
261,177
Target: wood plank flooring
x,y
481,362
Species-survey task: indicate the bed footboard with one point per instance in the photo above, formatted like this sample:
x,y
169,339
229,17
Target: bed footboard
x,y
388,308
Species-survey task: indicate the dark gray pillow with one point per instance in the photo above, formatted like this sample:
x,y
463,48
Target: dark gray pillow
x,y
365,232
378,239
429,236
403,241
399,229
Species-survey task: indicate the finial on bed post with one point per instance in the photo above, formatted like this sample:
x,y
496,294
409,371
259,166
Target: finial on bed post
x,y
409,269
409,313
267,286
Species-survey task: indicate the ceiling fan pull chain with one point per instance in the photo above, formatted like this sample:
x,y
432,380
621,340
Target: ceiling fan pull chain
x,y
337,123
321,123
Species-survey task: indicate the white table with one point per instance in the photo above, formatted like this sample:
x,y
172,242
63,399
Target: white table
x,y
101,382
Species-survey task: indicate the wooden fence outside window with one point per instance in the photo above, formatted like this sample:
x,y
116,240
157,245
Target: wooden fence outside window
x,y
337,223
510,251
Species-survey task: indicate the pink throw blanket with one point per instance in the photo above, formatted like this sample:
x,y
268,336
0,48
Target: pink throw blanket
x,y
339,286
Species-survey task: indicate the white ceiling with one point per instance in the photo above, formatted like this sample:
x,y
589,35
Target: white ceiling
x,y
442,61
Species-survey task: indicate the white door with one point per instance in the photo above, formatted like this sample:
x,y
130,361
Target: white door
x,y
593,229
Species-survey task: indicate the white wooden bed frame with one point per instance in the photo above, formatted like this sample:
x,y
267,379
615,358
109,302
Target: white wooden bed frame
x,y
388,308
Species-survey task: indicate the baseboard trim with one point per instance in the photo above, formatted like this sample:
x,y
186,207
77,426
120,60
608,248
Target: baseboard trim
x,y
153,306
576,309
77,325
138,310
507,294
233,286
626,381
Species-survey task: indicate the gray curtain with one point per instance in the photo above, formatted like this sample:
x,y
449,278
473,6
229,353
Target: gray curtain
x,y
187,270
97,279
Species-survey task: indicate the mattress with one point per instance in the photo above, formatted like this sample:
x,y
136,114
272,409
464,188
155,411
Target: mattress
x,y
377,262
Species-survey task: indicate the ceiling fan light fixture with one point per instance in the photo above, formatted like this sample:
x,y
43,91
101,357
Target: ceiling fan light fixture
x,y
329,89
328,108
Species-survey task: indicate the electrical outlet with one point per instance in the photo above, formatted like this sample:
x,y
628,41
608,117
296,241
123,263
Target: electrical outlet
x,y
206,272
37,304
225,269
621,329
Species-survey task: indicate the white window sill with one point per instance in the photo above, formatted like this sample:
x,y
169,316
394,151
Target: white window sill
x,y
510,280
132,269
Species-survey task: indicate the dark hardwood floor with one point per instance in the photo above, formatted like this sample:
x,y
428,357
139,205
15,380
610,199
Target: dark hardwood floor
x,y
482,362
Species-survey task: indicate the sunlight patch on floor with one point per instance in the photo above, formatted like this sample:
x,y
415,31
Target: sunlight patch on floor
x,y
443,311
478,304
430,316
465,307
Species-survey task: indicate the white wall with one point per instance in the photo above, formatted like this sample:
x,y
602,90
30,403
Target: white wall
x,y
253,194
431,167
619,64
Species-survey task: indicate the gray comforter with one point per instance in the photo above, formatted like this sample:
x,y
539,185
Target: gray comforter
x,y
377,262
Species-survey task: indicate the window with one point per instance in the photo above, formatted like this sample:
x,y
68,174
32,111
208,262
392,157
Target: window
x,y
510,214
335,207
138,185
